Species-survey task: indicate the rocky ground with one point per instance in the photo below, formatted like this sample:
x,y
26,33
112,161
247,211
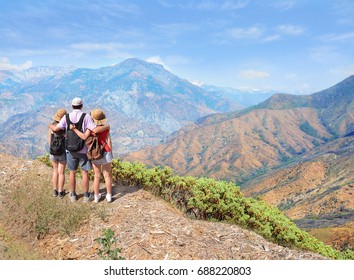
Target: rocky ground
x,y
147,228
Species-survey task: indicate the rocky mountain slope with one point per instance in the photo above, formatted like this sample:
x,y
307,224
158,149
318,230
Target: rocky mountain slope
x,y
147,227
237,148
241,145
143,103
335,106
316,191
295,152
325,177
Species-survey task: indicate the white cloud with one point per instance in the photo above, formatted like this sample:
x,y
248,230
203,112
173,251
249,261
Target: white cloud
x,y
245,33
221,5
197,83
169,60
110,50
271,38
305,87
157,59
345,71
176,29
344,6
6,65
345,21
283,5
112,8
213,5
252,74
260,34
290,76
325,55
338,37
177,60
344,10
103,46
289,29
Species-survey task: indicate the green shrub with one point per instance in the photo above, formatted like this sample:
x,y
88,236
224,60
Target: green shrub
x,y
206,198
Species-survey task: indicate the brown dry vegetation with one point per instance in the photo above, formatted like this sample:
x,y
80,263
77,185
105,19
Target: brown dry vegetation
x,y
236,148
340,238
146,226
294,187
320,186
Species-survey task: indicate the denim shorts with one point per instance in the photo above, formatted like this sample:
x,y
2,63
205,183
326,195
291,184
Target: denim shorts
x,y
58,158
107,158
74,159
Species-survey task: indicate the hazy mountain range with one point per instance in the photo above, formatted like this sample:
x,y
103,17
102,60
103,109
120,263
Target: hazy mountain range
x,y
240,145
144,103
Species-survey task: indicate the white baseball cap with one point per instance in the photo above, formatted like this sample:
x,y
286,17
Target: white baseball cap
x,y
77,101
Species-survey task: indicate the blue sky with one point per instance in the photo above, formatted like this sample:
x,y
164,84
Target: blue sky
x,y
289,46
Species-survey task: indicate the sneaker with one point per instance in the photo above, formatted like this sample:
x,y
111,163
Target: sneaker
x,y
72,196
109,197
55,193
97,198
87,197
61,194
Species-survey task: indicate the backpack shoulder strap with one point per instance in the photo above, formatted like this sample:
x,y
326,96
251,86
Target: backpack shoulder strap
x,y
79,123
68,122
81,118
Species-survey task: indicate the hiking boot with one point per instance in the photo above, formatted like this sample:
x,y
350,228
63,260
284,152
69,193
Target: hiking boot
x,y
109,197
72,196
87,197
55,193
61,194
97,198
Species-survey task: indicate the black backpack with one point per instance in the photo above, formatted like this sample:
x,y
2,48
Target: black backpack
x,y
73,142
57,144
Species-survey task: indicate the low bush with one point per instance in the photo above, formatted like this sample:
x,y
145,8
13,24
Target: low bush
x,y
209,199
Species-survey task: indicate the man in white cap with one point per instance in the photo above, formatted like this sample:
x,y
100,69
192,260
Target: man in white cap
x,y
74,159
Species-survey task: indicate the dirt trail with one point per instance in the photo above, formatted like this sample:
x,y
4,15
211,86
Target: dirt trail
x,y
148,228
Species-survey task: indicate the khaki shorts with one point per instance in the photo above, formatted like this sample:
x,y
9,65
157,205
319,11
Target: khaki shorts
x,y
107,158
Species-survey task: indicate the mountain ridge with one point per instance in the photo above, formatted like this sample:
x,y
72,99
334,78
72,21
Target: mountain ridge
x,y
339,96
143,101
280,128
275,138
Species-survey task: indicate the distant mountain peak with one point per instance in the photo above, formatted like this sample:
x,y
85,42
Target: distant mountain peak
x,y
138,63
143,101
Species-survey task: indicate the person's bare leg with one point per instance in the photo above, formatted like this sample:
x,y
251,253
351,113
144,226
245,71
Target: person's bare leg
x,y
85,181
96,180
107,173
72,181
55,175
61,171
